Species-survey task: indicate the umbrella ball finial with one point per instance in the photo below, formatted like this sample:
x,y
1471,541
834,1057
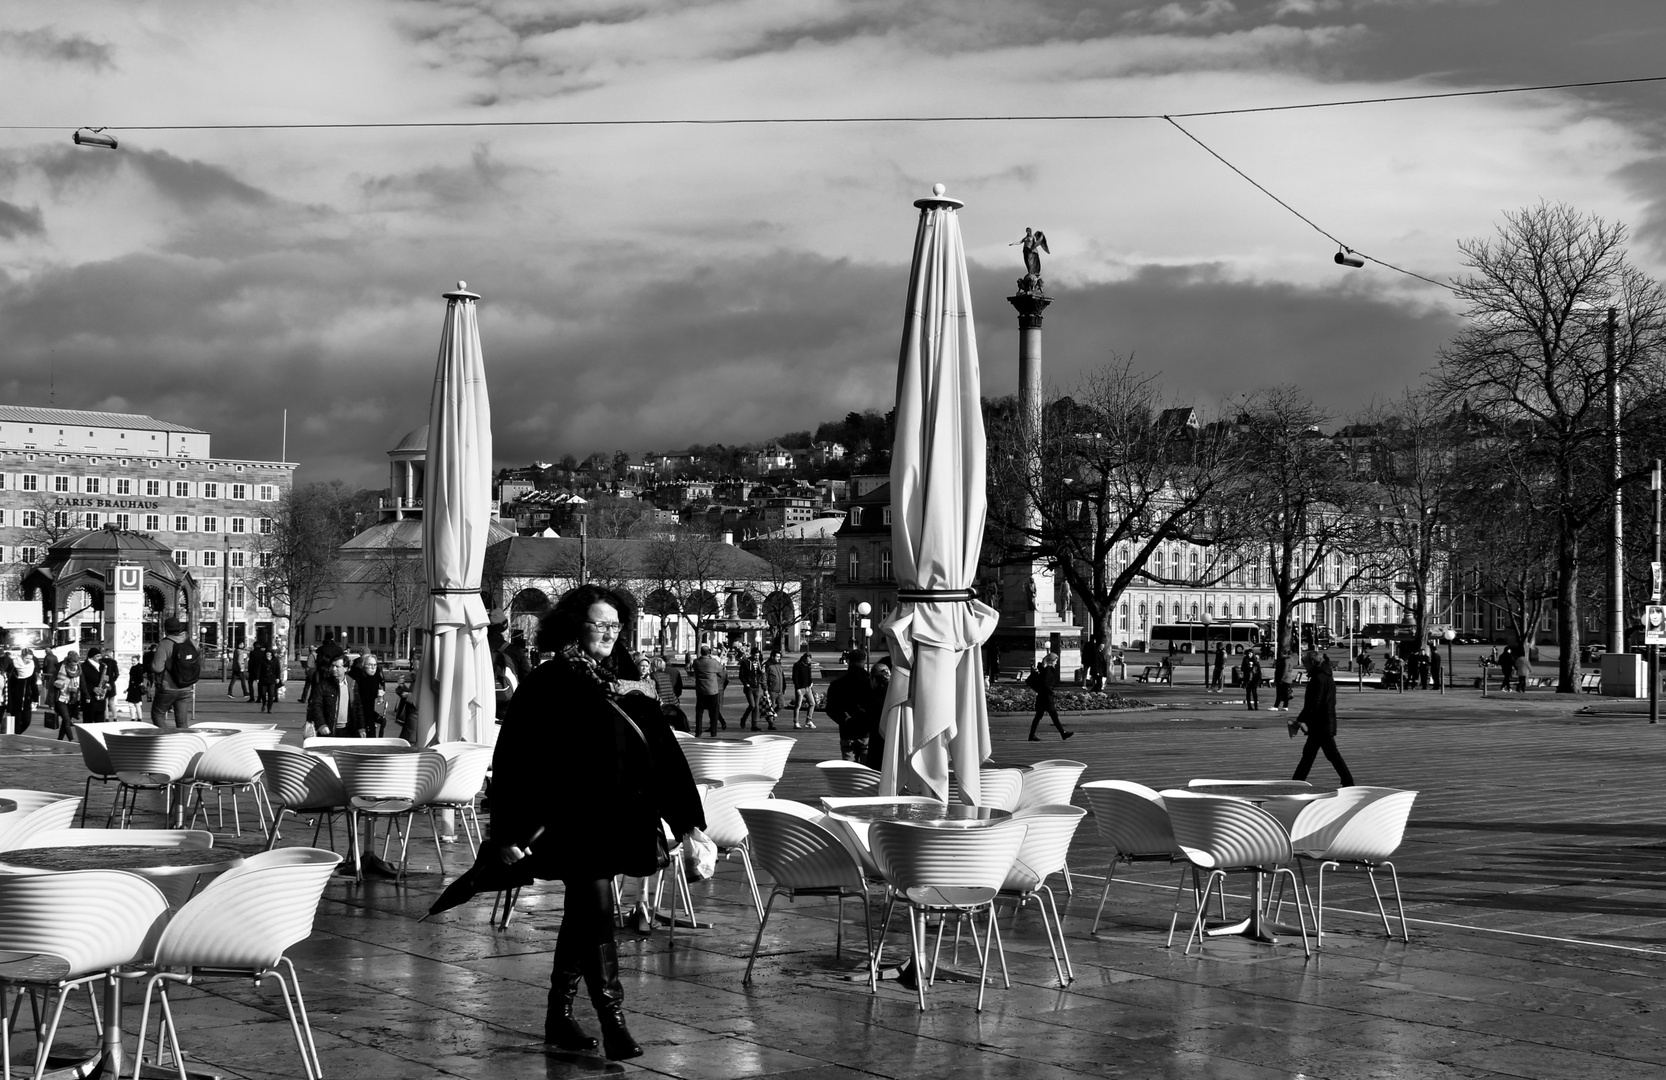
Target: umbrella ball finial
x,y
939,189
462,286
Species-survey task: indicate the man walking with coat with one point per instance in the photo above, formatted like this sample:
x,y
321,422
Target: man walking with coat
x,y
1318,717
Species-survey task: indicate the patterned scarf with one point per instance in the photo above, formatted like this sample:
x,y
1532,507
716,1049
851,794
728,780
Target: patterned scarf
x,y
582,663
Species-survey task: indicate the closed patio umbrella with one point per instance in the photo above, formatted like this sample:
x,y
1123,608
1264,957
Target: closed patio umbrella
x,y
935,715
455,698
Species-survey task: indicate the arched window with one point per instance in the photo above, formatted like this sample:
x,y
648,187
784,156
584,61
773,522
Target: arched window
x,y
1174,563
1255,610
1255,575
854,565
1142,616
1159,611
885,564
1124,613
1194,611
1195,572
856,515
1210,608
1240,609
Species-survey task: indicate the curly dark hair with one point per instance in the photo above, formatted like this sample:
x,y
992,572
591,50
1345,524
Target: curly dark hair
x,y
563,623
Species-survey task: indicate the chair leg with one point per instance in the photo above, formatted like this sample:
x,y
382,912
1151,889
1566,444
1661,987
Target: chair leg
x,y
1179,891
1300,920
1404,933
877,954
1104,894
916,934
1069,886
1203,902
86,793
752,880
758,938
434,828
353,843
173,1034
867,917
43,1051
1319,912
294,1024
1069,973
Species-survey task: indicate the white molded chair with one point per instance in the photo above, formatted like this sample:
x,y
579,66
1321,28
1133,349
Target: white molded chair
x,y
395,787
1360,827
1223,835
720,759
240,926
466,765
151,763
1047,836
944,871
96,756
232,725
72,929
195,839
998,788
1206,785
1133,822
1052,783
298,783
848,779
778,748
332,742
802,857
854,832
37,812
231,764
725,826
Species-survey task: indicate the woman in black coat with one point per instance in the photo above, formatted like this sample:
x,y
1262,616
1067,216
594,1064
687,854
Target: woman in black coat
x,y
578,790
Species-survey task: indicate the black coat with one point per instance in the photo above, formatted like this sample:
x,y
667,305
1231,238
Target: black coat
x,y
1319,705
566,761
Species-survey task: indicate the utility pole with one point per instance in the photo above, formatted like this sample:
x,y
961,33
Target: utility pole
x,y
1654,586
584,549
225,598
1616,538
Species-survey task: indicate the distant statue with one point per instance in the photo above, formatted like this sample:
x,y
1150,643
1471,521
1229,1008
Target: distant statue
x,y
1029,592
1033,244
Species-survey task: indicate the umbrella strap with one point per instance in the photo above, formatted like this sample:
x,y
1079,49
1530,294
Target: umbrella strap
x,y
935,596
452,592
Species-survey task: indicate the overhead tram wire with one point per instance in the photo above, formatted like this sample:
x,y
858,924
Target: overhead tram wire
x,y
1310,222
721,121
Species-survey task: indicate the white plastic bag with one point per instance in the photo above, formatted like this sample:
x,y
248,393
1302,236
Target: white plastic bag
x,y
699,856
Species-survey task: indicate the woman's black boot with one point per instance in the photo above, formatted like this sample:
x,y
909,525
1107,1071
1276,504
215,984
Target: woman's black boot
x,y
560,1029
609,998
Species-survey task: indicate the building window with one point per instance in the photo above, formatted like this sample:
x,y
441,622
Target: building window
x,y
885,564
210,557
153,522
1124,616
1194,611
29,554
182,488
1159,611
236,597
210,490
31,482
60,483
263,560
1240,609
268,493
182,558
182,523
153,488
266,526
240,491
123,486
90,485
123,521
60,519
239,524
854,565
885,515
236,559
263,597
1142,616
210,523
30,519
89,520
856,515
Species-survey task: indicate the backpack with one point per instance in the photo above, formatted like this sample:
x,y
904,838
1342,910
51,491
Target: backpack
x,y
185,665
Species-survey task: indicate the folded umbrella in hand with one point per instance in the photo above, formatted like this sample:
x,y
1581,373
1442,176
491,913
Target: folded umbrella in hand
x,y
1293,727
488,874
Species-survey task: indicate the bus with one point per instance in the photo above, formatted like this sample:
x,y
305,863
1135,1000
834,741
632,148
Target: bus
x,y
1199,637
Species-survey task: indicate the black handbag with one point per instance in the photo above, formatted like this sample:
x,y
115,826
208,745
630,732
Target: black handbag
x,y
654,857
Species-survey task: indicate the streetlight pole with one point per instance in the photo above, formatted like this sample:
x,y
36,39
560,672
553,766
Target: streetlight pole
x,y
1616,538
1449,634
863,610
225,597
1654,587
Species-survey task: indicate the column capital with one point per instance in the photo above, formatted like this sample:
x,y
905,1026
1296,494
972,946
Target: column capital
x,y
1030,306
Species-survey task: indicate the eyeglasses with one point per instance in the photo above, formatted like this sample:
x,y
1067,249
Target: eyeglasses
x,y
603,627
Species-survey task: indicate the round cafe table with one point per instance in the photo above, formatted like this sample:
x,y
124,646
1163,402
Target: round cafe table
x,y
937,815
173,870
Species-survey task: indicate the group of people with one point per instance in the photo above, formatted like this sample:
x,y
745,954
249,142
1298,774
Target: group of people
x,y
856,702
260,671
71,690
764,683
347,697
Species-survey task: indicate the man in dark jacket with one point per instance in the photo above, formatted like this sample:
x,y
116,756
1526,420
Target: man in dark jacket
x,y
803,692
335,707
515,652
751,674
710,679
1318,716
850,702
92,687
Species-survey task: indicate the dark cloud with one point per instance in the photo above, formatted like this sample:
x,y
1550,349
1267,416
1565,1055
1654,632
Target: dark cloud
x,y
186,182
47,44
17,222
447,184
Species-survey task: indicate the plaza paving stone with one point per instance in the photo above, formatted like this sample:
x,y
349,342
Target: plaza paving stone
x,y
1533,872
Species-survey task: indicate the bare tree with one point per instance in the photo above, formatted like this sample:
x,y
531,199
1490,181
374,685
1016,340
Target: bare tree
x,y
294,562
689,570
1111,471
1536,359
399,578
1313,523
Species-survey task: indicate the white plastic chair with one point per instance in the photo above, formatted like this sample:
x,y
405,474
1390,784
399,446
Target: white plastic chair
x,y
1223,835
240,926
394,787
778,748
72,929
36,812
195,839
855,833
151,763
998,788
848,779
466,765
1207,786
231,764
94,754
1047,836
1132,822
944,871
232,725
802,857
332,742
296,783
1052,783
721,759
1360,828
725,826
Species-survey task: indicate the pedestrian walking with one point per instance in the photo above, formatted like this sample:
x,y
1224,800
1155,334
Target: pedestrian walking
x,y
92,687
1318,719
1217,678
64,693
240,673
774,688
1249,673
1434,665
850,702
1282,681
175,667
367,676
271,677
1524,669
21,687
711,678
583,775
751,674
804,695
1041,681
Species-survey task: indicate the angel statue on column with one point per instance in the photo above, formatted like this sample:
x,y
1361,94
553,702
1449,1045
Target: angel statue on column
x,y
1033,244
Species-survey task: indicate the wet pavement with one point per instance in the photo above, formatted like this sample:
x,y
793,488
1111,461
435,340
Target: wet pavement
x,y
1533,872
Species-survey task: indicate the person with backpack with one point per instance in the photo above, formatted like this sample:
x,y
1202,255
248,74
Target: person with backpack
x,y
177,665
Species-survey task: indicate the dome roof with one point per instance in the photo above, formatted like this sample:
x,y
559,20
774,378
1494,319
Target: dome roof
x,y
114,541
415,439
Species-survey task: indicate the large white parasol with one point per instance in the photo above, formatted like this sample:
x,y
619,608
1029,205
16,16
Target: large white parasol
x,y
935,715
455,698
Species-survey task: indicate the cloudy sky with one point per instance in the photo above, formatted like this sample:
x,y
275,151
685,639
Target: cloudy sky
x,y
646,287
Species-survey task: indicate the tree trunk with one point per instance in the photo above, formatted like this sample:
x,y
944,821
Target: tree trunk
x,y
1567,611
